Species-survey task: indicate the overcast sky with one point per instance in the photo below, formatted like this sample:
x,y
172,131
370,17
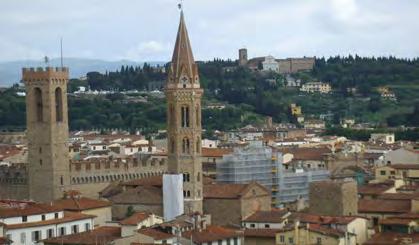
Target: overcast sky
x,y
144,30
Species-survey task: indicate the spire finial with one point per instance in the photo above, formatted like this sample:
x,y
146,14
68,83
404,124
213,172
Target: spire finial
x,y
180,5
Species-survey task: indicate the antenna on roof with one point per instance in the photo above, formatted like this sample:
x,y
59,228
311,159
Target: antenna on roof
x,y
61,51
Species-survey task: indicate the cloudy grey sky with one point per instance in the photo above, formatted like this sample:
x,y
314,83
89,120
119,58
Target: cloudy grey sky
x,y
144,30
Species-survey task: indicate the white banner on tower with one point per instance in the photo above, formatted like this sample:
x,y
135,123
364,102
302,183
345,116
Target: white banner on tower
x,y
172,196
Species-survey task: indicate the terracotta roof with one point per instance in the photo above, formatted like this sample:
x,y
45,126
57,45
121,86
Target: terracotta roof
x,y
305,153
215,152
374,189
68,217
25,209
392,238
412,216
326,231
100,235
139,195
273,216
261,232
80,204
229,191
398,196
211,233
156,181
8,151
383,206
322,219
155,234
135,219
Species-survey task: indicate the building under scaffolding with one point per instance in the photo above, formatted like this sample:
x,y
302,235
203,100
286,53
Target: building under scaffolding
x,y
261,164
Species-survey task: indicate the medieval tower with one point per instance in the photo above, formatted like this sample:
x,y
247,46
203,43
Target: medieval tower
x,y
47,132
183,93
242,57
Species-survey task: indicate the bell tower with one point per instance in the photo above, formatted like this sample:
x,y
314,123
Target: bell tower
x,y
47,132
183,93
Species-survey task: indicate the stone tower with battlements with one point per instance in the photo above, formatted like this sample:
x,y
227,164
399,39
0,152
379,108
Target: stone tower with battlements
x,y
243,57
47,132
183,93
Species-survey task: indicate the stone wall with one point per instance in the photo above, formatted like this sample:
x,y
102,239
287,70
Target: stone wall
x,y
334,198
223,211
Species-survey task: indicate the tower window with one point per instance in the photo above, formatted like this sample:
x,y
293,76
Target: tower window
x,y
185,145
58,105
172,146
198,116
39,105
185,116
198,145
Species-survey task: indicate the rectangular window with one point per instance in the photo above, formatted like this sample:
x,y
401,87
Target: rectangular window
x,y
75,229
235,241
24,218
50,233
56,216
87,227
62,231
267,226
220,242
43,217
36,236
228,242
23,237
383,172
252,225
291,240
393,172
282,238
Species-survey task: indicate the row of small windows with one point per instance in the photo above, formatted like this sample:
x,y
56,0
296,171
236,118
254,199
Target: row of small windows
x,y
50,233
188,193
40,106
187,177
186,145
107,178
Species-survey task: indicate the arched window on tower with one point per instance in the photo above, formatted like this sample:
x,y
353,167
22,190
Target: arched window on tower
x,y
58,105
185,145
172,145
185,116
172,115
198,116
39,105
198,145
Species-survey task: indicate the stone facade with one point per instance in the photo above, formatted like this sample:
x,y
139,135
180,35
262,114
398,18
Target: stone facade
x,y
242,57
335,198
47,125
183,93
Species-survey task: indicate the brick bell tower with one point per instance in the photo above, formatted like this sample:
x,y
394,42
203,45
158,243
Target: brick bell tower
x,y
47,132
183,93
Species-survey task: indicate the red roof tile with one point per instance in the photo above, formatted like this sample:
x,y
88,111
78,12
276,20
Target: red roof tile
x,y
80,203
17,209
228,191
68,217
211,233
155,234
391,238
383,206
215,152
100,235
135,218
273,216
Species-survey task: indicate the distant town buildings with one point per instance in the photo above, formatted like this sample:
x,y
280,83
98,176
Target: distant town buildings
x,y
316,87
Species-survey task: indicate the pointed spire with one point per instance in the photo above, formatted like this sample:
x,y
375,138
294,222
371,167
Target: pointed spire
x,y
182,59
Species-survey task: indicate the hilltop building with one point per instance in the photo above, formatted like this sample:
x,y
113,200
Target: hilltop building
x,y
269,63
